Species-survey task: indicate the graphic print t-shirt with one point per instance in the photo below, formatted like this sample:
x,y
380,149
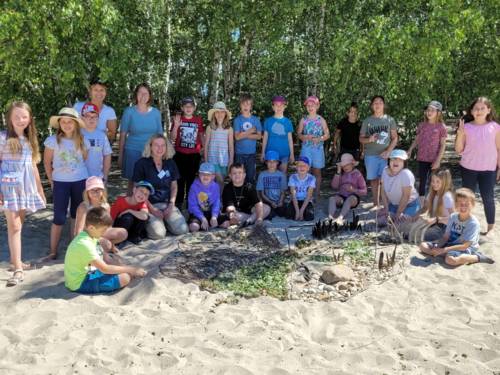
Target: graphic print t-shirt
x,y
380,127
188,140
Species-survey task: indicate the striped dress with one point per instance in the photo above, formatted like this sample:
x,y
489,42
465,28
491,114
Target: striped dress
x,y
17,178
218,148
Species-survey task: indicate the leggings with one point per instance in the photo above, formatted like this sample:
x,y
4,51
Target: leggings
x,y
486,181
135,227
62,194
188,165
424,174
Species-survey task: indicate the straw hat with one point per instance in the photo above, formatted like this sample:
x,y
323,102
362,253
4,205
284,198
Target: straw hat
x,y
68,113
218,106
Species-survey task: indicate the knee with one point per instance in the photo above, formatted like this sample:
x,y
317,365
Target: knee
x,y
156,230
194,227
352,201
266,210
124,279
424,247
121,235
451,261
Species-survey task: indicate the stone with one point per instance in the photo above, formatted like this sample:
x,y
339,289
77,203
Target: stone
x,y
342,286
329,288
336,273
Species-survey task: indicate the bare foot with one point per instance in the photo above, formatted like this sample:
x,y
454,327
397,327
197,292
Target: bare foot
x,y
26,267
50,257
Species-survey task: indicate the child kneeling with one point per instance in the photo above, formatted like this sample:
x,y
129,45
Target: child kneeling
x,y
460,242
204,203
84,268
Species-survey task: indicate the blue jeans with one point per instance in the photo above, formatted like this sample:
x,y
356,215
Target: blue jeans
x,y
248,160
411,208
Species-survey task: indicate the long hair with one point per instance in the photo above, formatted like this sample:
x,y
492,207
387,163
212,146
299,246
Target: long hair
x,y
77,138
169,154
492,116
104,199
446,186
225,124
439,117
13,141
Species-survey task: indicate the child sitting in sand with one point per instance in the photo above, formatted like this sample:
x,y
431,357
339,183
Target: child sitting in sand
x,y
204,203
272,184
84,269
460,242
350,186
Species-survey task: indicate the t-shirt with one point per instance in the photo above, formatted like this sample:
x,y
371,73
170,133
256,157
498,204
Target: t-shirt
x,y
448,204
140,126
99,147
145,170
381,126
105,114
81,252
349,139
429,141
463,231
244,197
302,185
241,124
277,130
188,137
393,185
272,184
480,152
68,163
121,205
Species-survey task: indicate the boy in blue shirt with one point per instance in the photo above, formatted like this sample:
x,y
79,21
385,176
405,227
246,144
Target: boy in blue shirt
x,y
460,242
302,185
278,134
247,131
271,185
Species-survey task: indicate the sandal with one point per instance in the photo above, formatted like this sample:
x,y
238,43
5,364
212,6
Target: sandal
x,y
26,267
50,257
16,278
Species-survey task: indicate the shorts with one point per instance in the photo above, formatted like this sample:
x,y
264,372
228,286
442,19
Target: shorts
x,y
220,169
130,157
98,282
454,253
411,209
284,159
374,165
316,155
208,215
339,205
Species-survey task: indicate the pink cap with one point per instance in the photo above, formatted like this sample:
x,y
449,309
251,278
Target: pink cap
x,y
312,99
89,107
94,182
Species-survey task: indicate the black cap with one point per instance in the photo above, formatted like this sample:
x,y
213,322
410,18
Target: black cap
x,y
188,100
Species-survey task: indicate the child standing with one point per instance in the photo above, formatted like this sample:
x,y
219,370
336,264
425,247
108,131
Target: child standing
x,y
302,185
271,185
247,131
430,142
351,186
84,269
131,212
313,132
460,243
278,134
99,154
478,143
20,187
64,160
204,201
219,141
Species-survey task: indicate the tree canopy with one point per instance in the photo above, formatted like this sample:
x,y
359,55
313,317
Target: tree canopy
x,y
409,51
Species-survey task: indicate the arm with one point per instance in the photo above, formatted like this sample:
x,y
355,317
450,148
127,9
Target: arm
x,y
231,146
404,200
412,147
265,199
336,139
106,166
295,203
264,145
392,145
385,200
141,215
335,184
38,182
48,156
207,140
460,139
361,188
110,269
81,214
193,206
112,126
300,129
290,145
310,192
497,139
442,147
123,137
326,132
459,247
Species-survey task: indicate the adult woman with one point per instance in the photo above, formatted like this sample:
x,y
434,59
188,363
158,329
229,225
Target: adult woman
x,y
399,195
107,116
157,167
139,122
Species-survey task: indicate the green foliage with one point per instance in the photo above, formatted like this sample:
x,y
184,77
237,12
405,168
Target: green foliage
x,y
357,250
411,52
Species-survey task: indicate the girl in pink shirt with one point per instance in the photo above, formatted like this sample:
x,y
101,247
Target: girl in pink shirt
x,y
350,186
478,143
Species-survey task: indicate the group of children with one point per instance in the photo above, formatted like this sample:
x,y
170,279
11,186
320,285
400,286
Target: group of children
x,y
77,161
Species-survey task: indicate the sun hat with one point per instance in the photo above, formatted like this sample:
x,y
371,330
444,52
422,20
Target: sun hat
x,y
436,105
398,154
272,155
147,185
206,168
304,159
66,112
279,99
218,106
346,159
188,100
89,107
312,99
94,182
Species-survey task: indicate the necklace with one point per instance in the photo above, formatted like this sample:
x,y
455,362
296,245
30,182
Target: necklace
x,y
240,196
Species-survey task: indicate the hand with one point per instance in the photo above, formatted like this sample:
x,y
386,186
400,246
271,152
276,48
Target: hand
x,y
437,251
350,188
339,169
273,205
436,165
301,215
177,121
168,211
123,213
262,158
362,156
259,221
139,272
372,138
213,222
157,213
316,140
42,195
204,224
461,126
120,161
385,155
292,159
498,174
51,183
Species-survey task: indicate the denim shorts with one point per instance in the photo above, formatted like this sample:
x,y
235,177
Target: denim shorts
x,y
411,208
316,156
453,253
374,165
98,282
220,169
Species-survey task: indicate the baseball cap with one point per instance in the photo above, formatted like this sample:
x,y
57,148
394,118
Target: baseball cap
x,y
188,100
304,159
272,155
436,105
279,99
207,168
312,99
147,185
89,107
94,182
398,154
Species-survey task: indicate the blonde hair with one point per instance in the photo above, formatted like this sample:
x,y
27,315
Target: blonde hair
x,y
103,202
465,193
446,186
225,124
169,154
13,142
77,137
